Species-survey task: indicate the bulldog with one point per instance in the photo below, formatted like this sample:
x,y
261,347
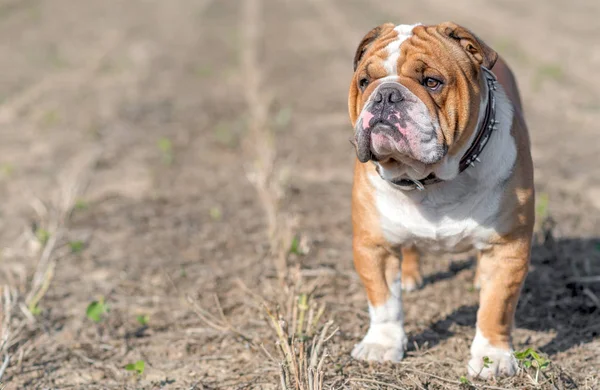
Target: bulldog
x,y
443,165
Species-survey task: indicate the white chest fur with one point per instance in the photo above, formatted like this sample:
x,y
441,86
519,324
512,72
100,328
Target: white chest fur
x,y
453,221
459,214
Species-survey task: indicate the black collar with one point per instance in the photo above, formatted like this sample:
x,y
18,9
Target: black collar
x,y
482,137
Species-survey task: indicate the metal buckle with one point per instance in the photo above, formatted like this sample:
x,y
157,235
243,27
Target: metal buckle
x,y
418,184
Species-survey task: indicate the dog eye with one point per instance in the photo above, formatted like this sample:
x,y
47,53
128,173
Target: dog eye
x,y
432,83
363,83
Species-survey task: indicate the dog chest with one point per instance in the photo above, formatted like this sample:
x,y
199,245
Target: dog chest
x,y
440,226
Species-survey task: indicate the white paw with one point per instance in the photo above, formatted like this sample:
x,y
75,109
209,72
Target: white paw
x,y
488,361
499,363
383,342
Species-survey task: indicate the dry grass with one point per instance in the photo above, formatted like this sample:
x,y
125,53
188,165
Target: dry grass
x,y
302,347
259,143
22,298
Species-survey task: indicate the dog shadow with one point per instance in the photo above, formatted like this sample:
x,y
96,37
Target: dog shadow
x,y
560,295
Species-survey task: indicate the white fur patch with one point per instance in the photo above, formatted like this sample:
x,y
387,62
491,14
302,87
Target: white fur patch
x,y
459,214
385,340
391,311
488,361
393,48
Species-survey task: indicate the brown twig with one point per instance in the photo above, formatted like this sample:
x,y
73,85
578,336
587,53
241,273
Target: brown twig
x,y
4,365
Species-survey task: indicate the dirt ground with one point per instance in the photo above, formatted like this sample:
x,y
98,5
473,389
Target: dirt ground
x,y
160,156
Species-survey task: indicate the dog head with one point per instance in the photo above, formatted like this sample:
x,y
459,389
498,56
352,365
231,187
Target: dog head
x,y
415,95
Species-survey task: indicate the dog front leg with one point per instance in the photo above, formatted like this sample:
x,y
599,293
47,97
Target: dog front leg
x,y
379,271
505,267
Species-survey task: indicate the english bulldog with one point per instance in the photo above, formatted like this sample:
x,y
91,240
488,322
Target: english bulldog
x,y
443,165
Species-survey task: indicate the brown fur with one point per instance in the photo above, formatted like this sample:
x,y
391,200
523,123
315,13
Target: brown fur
x,y
503,267
372,255
411,272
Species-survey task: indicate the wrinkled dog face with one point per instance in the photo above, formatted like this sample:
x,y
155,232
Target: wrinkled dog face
x,y
414,97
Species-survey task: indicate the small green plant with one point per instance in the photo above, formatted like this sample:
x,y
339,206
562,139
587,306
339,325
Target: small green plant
x,y
35,309
6,169
81,204
295,246
531,358
42,235
76,246
96,309
487,361
463,380
541,207
166,148
143,319
138,367
215,213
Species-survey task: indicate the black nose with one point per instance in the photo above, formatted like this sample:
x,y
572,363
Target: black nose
x,y
388,95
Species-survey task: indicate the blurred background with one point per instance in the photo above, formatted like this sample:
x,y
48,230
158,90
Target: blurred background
x,y
166,168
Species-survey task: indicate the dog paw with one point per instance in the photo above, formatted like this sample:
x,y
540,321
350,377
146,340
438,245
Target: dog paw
x,y
377,352
488,361
383,342
495,364
411,281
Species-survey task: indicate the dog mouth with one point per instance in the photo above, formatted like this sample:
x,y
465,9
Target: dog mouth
x,y
381,140
363,140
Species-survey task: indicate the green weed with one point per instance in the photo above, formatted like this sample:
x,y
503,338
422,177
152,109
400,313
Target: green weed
x,y
541,207
81,204
487,361
34,309
166,148
143,319
215,213
531,358
76,246
463,380
7,169
138,367
96,310
42,235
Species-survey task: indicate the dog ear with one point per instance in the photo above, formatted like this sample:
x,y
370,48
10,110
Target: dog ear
x,y
475,48
366,42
